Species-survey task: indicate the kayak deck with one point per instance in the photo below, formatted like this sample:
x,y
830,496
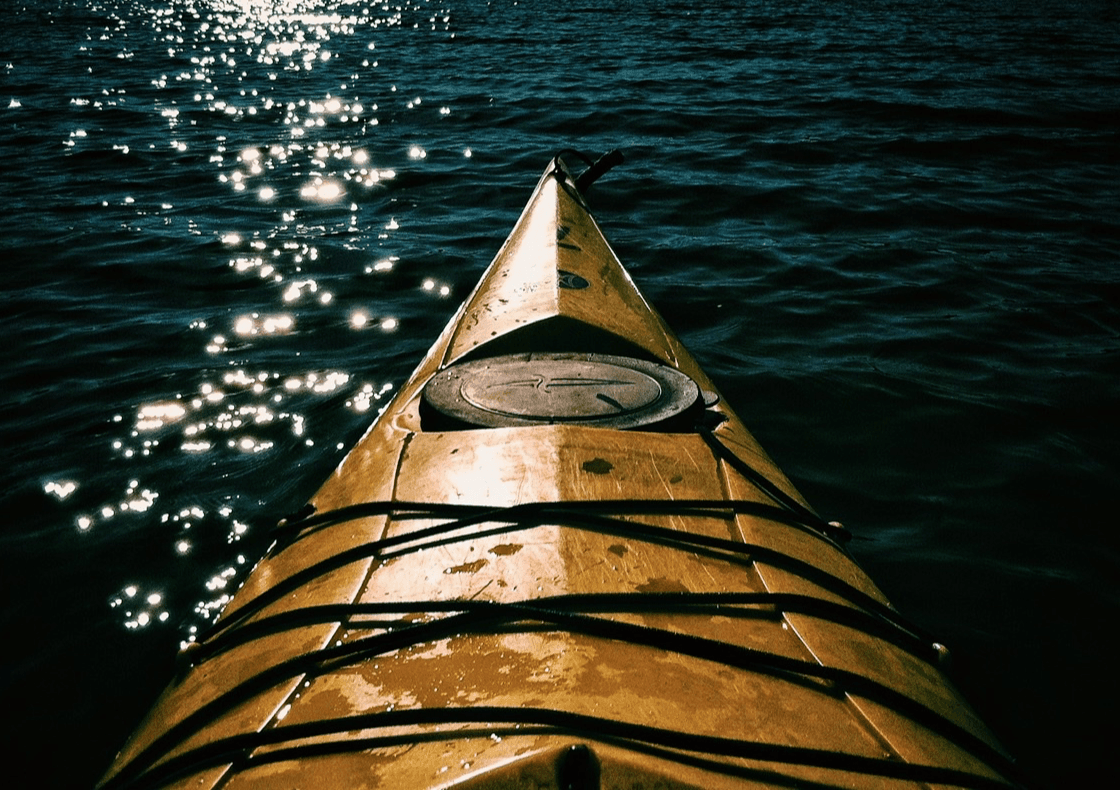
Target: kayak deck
x,y
523,593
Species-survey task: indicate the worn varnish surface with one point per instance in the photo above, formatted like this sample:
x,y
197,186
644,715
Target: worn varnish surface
x,y
271,683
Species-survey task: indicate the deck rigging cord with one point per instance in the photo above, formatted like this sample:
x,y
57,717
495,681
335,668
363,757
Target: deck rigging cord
x,y
731,605
676,745
502,618
570,613
567,612
585,515
595,168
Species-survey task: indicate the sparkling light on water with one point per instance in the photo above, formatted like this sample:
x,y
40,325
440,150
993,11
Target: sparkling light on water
x,y
60,489
232,89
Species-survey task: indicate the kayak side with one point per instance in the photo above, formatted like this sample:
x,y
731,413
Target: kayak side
x,y
552,599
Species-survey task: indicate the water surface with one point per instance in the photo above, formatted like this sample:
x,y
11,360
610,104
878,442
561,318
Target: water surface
x,y
887,230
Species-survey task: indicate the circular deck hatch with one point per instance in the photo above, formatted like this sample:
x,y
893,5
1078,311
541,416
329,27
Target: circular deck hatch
x,y
532,389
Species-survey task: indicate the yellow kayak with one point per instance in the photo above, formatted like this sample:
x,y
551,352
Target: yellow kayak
x,y
558,559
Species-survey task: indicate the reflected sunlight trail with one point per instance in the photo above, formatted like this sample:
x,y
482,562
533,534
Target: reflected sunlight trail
x,y
233,88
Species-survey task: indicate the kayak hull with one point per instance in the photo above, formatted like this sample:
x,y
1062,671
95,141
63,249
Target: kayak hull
x,y
553,601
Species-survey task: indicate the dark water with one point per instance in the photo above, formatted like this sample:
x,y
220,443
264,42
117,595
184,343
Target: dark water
x,y
888,230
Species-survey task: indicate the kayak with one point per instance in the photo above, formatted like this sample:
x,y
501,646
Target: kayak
x,y
559,559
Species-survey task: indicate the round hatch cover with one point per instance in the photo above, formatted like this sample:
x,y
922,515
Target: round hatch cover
x,y
590,389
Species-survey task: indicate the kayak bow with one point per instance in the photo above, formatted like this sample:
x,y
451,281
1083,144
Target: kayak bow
x,y
559,559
